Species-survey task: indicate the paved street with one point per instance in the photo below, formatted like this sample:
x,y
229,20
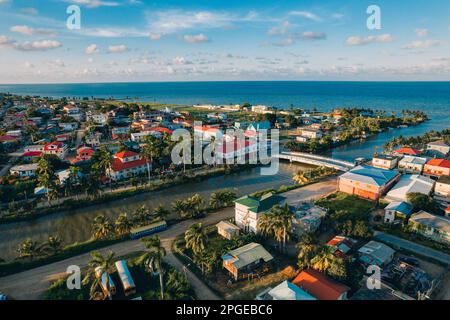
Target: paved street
x,y
31,284
418,249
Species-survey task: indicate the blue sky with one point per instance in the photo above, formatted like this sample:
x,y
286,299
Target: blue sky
x,y
139,40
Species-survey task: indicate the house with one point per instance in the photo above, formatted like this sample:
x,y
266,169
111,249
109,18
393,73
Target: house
x,y
74,112
8,140
407,151
217,116
437,167
384,161
93,140
396,210
120,133
311,133
24,170
246,260
56,148
248,209
376,253
127,164
258,126
442,189
68,126
227,230
367,182
301,139
208,132
84,154
320,285
411,164
307,218
285,291
30,155
262,109
230,150
439,146
341,245
97,118
410,183
160,131
139,136
431,226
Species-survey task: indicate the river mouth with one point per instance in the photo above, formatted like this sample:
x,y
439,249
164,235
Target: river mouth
x,y
75,225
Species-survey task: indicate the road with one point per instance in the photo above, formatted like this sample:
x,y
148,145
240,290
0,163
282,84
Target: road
x,y
31,284
418,249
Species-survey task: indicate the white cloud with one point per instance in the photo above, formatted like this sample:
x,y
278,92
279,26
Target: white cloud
x,y
276,31
91,49
422,44
196,38
359,41
118,48
170,21
94,3
180,61
421,32
309,35
4,1
41,45
306,14
6,41
155,36
112,32
26,30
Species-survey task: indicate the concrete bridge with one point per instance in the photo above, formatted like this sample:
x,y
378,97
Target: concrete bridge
x,y
315,160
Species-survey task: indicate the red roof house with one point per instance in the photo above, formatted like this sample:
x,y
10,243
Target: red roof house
x,y
320,285
127,164
437,167
408,151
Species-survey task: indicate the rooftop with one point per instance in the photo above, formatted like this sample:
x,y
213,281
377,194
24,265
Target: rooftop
x,y
262,204
432,221
399,206
410,183
370,175
377,250
247,254
439,163
319,285
407,150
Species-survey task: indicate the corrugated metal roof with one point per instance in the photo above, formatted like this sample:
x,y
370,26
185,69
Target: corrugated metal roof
x,y
247,254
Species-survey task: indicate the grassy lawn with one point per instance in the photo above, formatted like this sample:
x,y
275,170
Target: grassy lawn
x,y
343,206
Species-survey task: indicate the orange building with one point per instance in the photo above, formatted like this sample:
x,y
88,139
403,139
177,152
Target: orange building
x,y
367,182
437,168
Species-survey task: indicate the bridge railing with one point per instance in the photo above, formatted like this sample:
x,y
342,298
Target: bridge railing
x,y
314,156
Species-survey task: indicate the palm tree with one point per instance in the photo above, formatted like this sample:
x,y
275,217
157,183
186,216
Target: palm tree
x,y
101,227
277,223
45,176
29,249
195,205
205,261
141,215
74,178
177,285
196,238
103,161
305,255
323,260
152,258
53,245
160,212
179,207
106,265
123,225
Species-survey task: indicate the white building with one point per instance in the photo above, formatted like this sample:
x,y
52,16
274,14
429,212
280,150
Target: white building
x,y
249,209
127,164
25,170
411,164
439,146
442,189
410,183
